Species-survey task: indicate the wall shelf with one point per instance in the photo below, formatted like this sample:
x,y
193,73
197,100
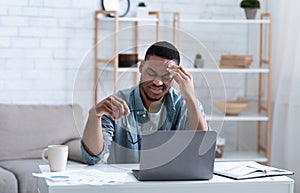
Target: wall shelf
x,y
254,117
229,70
204,70
227,21
243,156
128,19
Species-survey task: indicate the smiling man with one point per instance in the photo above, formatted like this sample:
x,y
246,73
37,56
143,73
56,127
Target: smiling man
x,y
115,124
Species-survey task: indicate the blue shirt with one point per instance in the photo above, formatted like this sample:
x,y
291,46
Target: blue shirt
x,y
121,139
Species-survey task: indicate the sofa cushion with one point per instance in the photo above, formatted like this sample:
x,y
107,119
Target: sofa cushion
x,y
25,130
8,182
23,170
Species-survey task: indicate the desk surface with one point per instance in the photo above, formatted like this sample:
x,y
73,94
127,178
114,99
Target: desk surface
x,y
220,184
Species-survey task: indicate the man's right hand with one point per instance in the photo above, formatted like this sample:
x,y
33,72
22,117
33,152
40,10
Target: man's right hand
x,y
112,106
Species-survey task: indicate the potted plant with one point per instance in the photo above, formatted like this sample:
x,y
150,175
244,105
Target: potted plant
x,y
199,61
250,7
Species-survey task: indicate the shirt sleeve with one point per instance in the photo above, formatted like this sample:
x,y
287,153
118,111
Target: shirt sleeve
x,y
107,130
88,158
203,113
183,118
202,110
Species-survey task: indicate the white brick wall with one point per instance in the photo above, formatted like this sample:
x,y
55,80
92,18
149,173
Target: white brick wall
x,y
43,42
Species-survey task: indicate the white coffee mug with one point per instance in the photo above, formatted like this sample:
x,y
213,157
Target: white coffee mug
x,y
57,157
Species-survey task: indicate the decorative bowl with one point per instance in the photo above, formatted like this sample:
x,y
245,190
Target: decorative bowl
x,y
232,107
128,60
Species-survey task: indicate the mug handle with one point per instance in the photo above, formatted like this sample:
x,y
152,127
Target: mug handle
x,y
43,155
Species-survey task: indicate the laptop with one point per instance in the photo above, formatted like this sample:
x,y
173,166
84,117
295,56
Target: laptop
x,y
177,155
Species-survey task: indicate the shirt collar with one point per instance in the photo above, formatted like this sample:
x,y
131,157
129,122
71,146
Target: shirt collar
x,y
139,110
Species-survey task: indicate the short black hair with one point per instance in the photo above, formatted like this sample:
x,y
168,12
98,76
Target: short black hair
x,y
163,49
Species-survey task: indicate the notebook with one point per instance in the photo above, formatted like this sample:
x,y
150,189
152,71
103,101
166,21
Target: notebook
x,y
246,170
177,155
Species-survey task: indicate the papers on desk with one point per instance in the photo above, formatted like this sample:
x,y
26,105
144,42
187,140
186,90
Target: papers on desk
x,y
245,170
90,177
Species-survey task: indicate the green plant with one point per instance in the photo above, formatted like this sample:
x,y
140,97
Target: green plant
x,y
250,4
141,4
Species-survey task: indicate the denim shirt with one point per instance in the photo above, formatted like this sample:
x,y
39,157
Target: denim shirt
x,y
116,135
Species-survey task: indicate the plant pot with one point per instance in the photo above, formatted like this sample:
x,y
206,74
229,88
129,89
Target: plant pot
x,y
250,13
198,63
142,12
220,146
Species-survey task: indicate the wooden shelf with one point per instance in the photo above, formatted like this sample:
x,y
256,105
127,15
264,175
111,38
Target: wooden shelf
x,y
254,117
250,114
227,21
111,69
204,70
208,21
128,19
229,70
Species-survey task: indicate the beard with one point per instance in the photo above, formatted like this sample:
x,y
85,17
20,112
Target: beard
x,y
152,92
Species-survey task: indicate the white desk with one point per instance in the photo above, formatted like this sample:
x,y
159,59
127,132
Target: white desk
x,y
279,184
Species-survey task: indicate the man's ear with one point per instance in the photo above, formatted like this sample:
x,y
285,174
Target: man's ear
x,y
141,66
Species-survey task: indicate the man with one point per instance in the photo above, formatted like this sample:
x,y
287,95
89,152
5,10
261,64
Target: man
x,y
116,123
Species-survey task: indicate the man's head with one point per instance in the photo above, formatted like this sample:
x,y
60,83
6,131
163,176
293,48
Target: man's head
x,y
164,50
155,78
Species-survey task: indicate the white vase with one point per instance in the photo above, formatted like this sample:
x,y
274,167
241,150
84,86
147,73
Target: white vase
x,y
142,12
199,63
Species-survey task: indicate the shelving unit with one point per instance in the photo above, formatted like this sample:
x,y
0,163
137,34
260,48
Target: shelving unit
x,y
100,16
262,112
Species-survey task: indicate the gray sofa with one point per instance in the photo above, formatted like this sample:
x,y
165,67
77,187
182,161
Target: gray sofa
x,y
25,130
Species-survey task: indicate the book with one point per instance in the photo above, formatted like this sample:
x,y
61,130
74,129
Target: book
x,y
246,170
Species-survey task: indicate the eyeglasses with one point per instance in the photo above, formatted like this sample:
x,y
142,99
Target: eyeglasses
x,y
165,78
128,133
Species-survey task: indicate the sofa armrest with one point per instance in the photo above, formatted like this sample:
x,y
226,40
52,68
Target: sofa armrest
x,y
74,150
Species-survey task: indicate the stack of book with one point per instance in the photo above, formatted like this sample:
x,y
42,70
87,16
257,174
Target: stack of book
x,y
236,61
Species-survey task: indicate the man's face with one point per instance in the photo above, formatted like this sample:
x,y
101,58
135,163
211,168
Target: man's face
x,y
155,79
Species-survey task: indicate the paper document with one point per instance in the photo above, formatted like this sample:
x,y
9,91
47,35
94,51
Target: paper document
x,y
90,177
245,170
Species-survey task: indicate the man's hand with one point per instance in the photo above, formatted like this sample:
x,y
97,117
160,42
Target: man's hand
x,y
186,85
112,106
184,80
